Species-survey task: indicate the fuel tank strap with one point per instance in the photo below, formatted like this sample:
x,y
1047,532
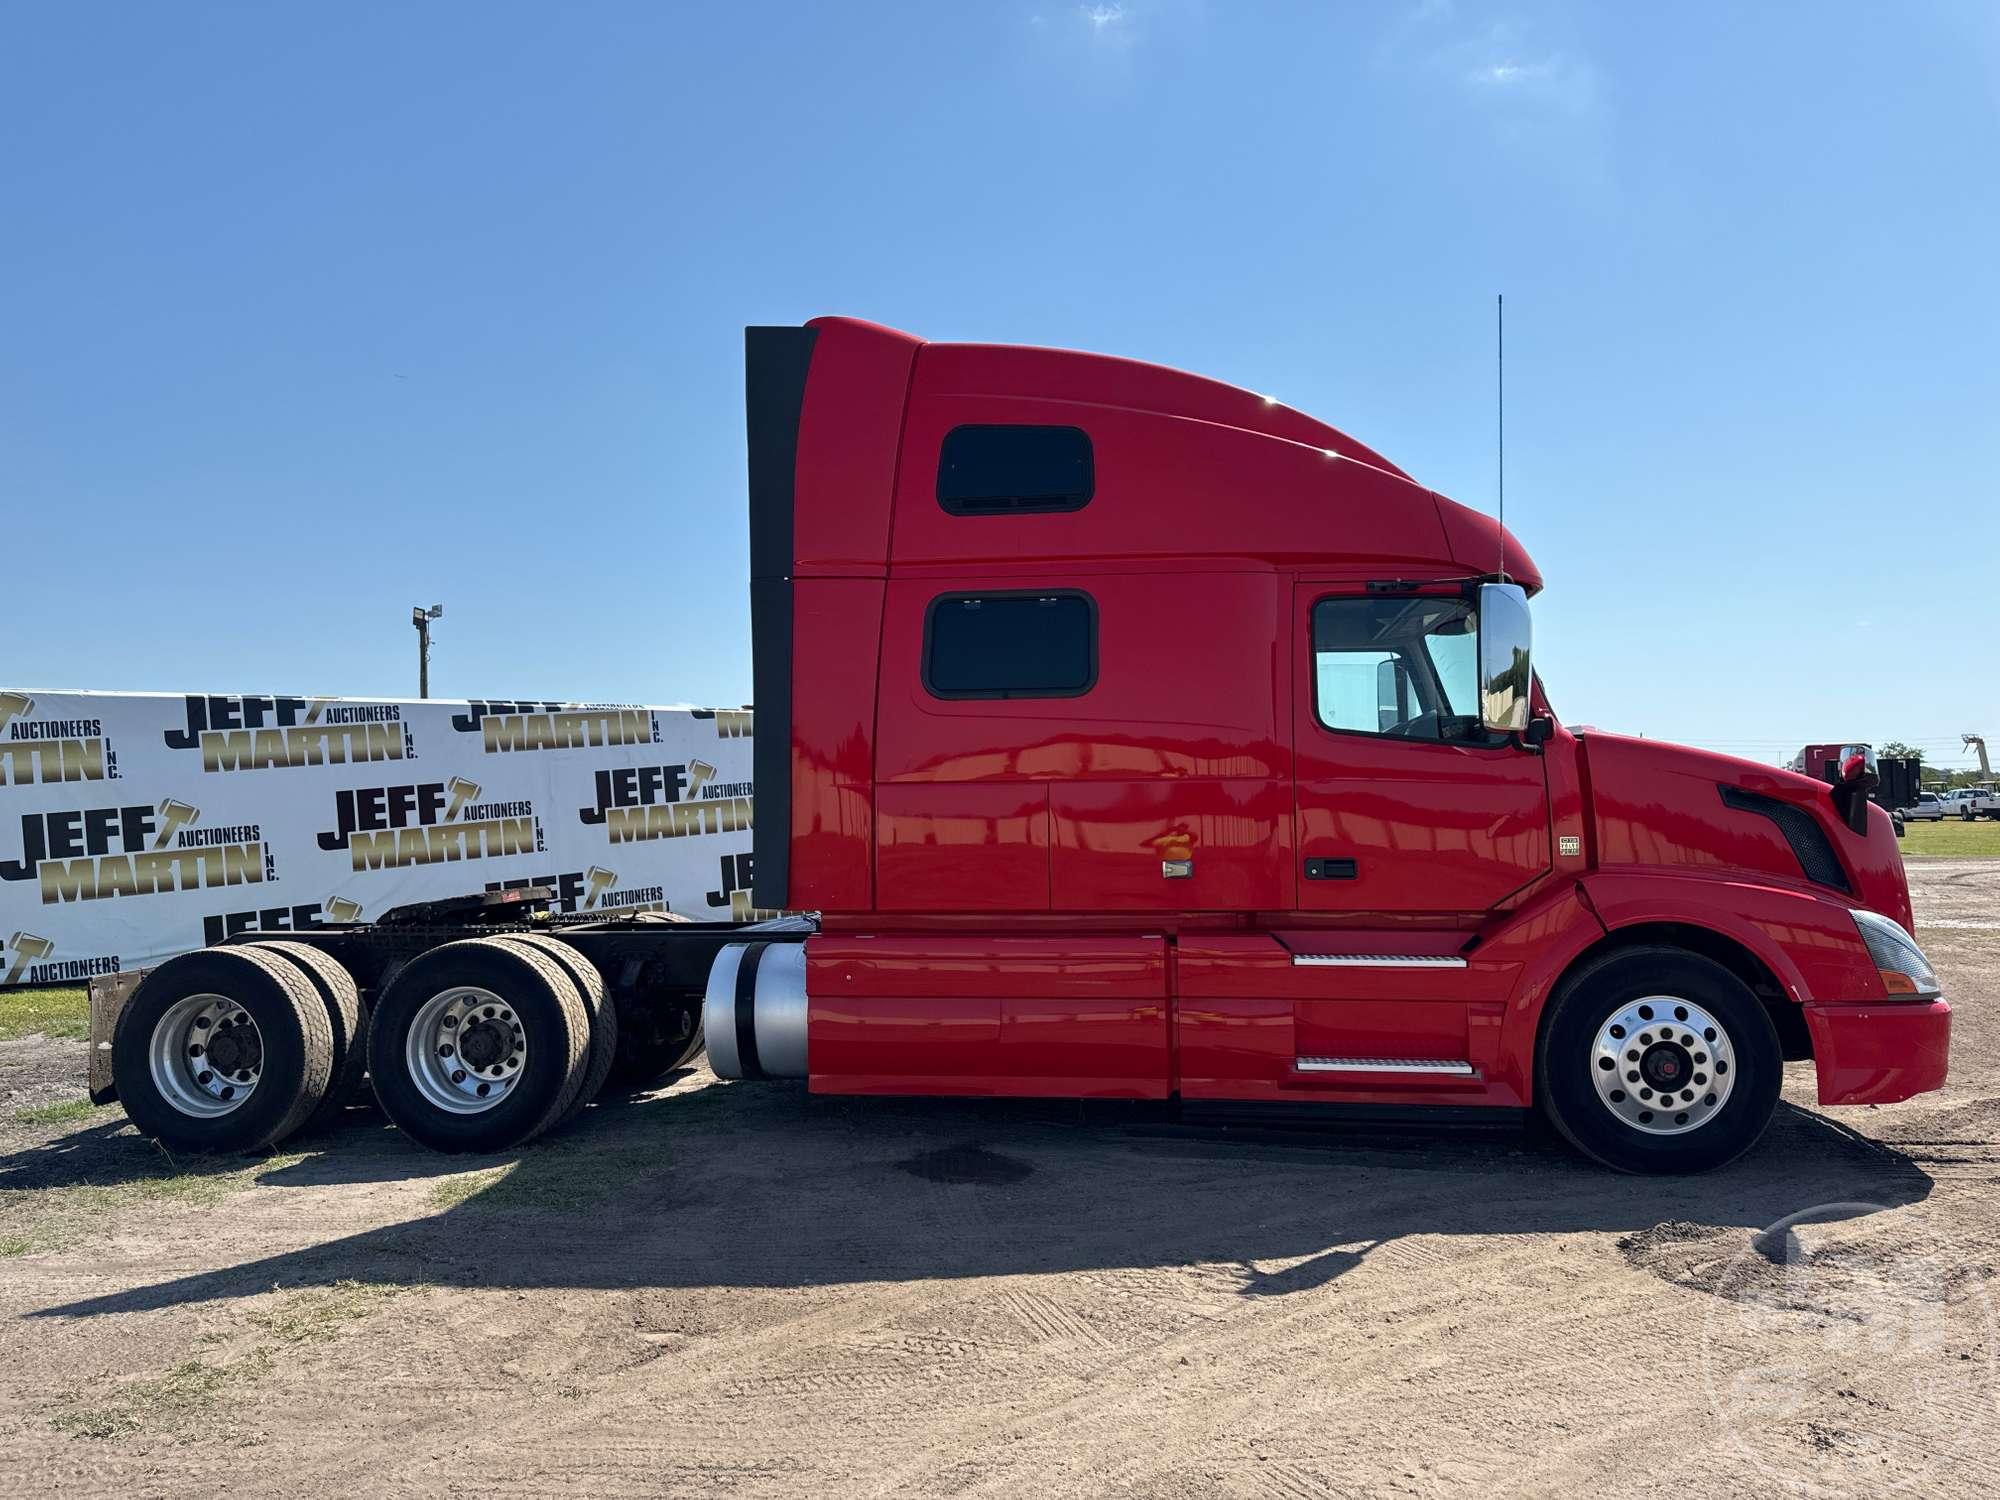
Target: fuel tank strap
x,y
747,1061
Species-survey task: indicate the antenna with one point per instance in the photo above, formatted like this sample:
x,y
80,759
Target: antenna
x,y
1500,360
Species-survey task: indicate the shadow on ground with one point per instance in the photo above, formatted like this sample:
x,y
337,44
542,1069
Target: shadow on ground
x,y
766,1186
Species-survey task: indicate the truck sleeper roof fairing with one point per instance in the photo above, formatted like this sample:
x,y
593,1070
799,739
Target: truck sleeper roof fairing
x,y
846,424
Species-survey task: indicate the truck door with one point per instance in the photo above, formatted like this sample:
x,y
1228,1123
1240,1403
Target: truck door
x,y
1406,807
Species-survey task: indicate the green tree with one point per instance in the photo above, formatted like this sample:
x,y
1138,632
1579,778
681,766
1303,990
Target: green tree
x,y
1897,750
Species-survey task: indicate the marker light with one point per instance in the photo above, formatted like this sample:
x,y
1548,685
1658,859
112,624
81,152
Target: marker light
x,y
1906,973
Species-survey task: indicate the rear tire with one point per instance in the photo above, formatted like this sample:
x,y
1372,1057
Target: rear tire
x,y
1694,1064
348,1018
225,1049
597,1004
526,1044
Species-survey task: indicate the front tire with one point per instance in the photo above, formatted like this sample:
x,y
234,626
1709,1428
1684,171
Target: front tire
x,y
1656,1059
478,1045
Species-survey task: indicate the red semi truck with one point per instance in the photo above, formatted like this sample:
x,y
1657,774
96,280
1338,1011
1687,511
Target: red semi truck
x,y
1130,736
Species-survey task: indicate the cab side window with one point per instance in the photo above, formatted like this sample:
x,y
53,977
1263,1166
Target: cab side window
x,y
1011,645
1402,667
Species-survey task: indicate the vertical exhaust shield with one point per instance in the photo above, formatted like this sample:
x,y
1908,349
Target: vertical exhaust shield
x,y
775,364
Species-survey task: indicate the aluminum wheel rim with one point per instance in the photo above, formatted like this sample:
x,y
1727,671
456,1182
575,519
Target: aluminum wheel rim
x,y
466,1050
206,1056
1663,1065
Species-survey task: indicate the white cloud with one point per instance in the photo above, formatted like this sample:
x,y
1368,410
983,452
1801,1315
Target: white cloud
x,y
1498,63
1103,17
1558,80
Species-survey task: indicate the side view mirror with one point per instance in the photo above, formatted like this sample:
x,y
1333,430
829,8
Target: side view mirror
x,y
1506,641
1858,777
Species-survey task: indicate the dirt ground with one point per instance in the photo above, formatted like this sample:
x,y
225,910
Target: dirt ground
x,y
740,1290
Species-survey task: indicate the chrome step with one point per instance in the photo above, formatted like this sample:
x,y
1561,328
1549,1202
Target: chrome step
x,y
1383,1065
1374,961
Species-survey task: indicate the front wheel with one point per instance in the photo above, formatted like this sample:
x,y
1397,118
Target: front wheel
x,y
1658,1060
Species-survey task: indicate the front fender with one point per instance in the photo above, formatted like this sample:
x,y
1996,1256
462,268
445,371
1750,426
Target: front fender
x,y
1807,941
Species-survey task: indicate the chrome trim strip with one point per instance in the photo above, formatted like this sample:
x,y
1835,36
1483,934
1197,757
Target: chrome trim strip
x,y
1382,1065
1374,961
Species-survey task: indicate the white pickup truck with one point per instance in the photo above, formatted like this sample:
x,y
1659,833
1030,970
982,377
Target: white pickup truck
x,y
1969,802
1929,807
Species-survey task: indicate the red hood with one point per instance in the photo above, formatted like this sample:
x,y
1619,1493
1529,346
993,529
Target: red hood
x,y
1658,804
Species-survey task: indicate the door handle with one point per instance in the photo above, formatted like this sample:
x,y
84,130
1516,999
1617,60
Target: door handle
x,y
1330,869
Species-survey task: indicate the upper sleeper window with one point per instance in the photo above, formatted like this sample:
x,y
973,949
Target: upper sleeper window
x,y
990,469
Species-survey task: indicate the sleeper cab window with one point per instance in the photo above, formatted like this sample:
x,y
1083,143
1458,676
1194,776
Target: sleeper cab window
x,y
993,469
1401,667
1016,644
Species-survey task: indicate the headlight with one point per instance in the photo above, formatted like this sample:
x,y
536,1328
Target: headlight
x,y
1905,972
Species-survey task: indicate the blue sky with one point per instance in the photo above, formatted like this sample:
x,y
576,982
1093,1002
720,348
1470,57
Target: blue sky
x,y
313,313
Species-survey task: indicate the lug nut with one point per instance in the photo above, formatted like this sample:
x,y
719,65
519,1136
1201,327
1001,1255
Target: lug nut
x,y
204,1076
458,1075
445,1050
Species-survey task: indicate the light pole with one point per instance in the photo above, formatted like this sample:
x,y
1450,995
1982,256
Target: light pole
x,y
421,618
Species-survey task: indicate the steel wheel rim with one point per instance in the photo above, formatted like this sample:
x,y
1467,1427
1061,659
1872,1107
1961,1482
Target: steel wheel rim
x,y
466,1050
206,1056
1663,1065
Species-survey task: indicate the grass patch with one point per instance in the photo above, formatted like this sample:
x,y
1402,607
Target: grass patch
x,y
189,1392
65,1113
312,1316
58,1216
57,1010
613,1150
14,1244
1954,837
449,1192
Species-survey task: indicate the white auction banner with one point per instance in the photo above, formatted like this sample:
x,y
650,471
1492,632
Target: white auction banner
x,y
134,826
